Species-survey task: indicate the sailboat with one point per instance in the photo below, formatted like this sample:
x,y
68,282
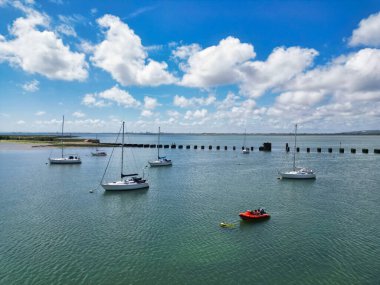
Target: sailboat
x,y
98,152
68,159
245,149
161,160
132,182
297,172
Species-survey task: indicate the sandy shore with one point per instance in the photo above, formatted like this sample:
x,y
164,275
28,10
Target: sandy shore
x,y
7,145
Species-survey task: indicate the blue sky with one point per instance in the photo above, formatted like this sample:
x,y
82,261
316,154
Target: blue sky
x,y
189,66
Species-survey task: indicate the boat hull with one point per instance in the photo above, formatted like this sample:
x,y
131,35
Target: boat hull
x,y
297,176
158,163
298,173
99,154
248,216
124,186
64,161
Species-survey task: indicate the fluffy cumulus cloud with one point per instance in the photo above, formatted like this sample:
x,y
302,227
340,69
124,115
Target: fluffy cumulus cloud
x,y
234,111
122,54
368,32
40,113
282,65
183,102
217,65
31,86
300,98
36,49
337,94
231,62
109,96
354,77
197,114
150,103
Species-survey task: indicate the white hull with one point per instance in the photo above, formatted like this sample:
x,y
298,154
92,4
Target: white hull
x,y
65,160
124,185
160,163
298,174
99,153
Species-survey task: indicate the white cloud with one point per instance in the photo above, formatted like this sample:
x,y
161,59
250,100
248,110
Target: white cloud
x,y
40,113
20,122
66,30
76,125
217,65
154,48
91,100
114,94
184,52
355,77
173,114
67,23
79,114
150,103
119,96
368,32
282,65
141,11
228,102
197,114
184,102
146,113
124,57
31,86
300,98
36,49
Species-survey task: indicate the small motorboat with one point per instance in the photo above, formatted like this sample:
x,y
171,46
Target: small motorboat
x,y
254,215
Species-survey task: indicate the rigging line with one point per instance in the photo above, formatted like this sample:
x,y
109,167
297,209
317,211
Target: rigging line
x,y
133,155
109,160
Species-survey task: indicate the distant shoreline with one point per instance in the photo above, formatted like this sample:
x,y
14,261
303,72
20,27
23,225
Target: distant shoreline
x,y
76,134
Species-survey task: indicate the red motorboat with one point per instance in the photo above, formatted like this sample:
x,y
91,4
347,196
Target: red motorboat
x,y
254,215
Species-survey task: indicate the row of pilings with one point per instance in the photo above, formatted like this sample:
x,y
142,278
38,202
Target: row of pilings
x,y
265,147
330,149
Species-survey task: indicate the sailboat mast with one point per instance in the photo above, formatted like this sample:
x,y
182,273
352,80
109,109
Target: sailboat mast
x,y
295,148
158,143
122,153
63,122
245,136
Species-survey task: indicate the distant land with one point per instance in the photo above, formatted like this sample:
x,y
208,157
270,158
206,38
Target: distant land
x,y
74,134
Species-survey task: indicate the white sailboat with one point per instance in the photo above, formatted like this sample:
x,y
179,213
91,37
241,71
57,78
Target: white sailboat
x,y
297,172
161,160
65,159
245,149
98,152
132,182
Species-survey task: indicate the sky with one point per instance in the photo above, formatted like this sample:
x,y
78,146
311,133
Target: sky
x,y
189,66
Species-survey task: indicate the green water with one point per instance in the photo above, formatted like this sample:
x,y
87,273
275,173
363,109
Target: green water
x,y
327,231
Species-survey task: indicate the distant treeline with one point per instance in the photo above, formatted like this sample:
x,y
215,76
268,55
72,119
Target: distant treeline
x,y
37,138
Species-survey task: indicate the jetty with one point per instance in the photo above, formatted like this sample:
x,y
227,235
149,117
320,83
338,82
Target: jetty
x,y
73,141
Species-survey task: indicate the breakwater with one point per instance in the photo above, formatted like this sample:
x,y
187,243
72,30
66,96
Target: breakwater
x,y
266,147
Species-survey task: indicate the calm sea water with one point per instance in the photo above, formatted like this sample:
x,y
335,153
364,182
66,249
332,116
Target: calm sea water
x,y
327,231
